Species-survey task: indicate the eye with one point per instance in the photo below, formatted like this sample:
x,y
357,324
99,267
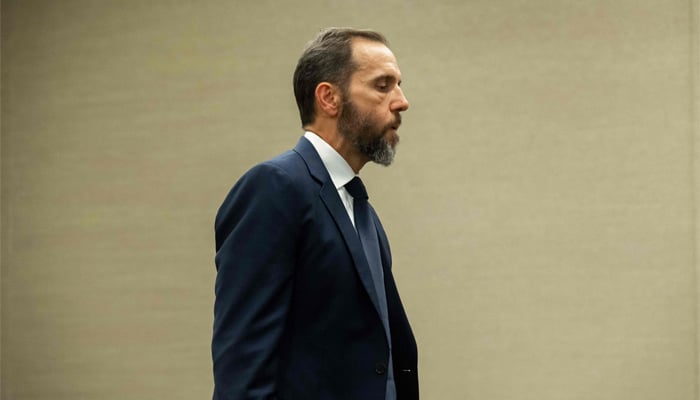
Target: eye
x,y
382,86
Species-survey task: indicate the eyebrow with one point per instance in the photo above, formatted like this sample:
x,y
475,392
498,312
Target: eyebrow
x,y
387,77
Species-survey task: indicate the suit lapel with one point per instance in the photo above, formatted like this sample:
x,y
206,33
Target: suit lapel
x,y
403,341
384,248
329,196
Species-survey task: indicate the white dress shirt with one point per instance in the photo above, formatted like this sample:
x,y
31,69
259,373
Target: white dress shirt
x,y
339,170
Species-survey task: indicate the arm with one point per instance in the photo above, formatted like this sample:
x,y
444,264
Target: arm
x,y
256,231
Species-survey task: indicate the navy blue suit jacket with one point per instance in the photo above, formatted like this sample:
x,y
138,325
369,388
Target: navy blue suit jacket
x,y
295,316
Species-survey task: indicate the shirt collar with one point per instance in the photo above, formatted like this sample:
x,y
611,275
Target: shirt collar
x,y
339,169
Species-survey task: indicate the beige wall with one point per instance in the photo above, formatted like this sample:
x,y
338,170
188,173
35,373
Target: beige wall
x,y
541,208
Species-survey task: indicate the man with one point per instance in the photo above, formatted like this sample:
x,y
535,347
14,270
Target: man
x,y
306,305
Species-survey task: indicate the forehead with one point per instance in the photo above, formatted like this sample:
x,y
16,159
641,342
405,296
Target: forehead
x,y
373,59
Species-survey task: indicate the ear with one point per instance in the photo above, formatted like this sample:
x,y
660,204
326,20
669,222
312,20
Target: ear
x,y
328,99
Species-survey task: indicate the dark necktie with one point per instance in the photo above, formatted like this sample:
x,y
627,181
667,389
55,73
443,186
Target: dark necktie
x,y
370,244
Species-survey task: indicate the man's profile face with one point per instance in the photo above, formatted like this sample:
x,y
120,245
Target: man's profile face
x,y
372,102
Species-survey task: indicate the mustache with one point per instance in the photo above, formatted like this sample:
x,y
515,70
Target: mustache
x,y
397,121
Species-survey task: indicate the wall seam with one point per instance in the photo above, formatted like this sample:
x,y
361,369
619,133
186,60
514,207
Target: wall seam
x,y
1,202
694,42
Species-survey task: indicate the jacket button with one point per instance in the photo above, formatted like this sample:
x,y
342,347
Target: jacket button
x,y
380,368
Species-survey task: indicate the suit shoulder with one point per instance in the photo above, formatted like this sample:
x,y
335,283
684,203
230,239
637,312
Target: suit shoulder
x,y
280,179
280,167
271,175
290,162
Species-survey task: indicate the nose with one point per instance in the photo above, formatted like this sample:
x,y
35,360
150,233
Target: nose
x,y
400,103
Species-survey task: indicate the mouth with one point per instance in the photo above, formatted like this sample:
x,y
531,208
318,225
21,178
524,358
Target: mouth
x,y
392,134
397,123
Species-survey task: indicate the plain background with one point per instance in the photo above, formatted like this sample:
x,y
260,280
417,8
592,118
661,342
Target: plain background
x,y
542,208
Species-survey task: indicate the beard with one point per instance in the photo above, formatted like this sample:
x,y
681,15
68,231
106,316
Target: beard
x,y
367,135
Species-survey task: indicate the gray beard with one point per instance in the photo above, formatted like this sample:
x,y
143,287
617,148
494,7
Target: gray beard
x,y
367,138
378,151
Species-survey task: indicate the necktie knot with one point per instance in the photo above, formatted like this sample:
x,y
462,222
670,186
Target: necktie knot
x,y
356,188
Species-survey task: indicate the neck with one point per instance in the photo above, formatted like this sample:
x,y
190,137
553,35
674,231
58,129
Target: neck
x,y
339,143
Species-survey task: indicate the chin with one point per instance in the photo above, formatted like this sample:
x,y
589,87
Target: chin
x,y
392,137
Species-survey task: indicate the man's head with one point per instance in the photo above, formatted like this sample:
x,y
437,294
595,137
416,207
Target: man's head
x,y
327,58
350,79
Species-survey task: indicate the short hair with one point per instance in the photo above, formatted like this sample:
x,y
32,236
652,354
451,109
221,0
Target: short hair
x,y
327,58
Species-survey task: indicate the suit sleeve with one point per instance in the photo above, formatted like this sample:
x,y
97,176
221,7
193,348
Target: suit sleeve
x,y
256,241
